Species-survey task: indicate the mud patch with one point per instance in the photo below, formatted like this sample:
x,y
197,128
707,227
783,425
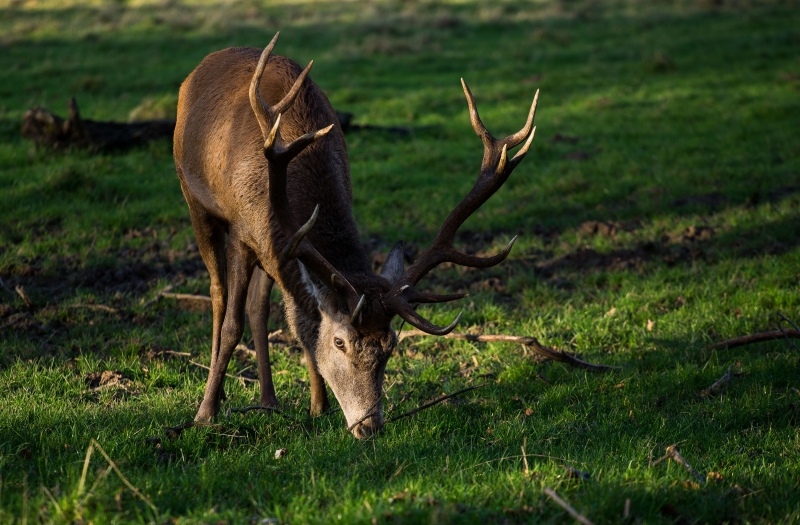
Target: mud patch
x,y
588,259
604,229
711,200
576,155
112,380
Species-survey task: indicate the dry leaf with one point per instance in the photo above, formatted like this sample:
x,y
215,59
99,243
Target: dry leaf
x,y
280,453
611,312
650,325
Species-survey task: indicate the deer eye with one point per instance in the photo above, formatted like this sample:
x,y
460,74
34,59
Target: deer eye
x,y
339,343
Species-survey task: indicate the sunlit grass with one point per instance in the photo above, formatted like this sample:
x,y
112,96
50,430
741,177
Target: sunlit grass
x,y
675,123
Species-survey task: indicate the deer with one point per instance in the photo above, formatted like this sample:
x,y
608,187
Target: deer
x,y
263,166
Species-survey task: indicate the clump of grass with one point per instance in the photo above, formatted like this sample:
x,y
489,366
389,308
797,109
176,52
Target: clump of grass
x,y
153,108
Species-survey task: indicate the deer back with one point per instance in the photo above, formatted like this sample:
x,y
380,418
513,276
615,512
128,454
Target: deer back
x,y
219,152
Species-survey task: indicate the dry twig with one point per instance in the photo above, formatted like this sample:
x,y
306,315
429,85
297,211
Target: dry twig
x,y
528,341
94,307
122,477
755,338
672,453
187,297
432,403
719,385
366,416
278,337
784,318
566,506
159,294
22,293
240,378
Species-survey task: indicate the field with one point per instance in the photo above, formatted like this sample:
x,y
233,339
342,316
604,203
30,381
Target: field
x,y
658,213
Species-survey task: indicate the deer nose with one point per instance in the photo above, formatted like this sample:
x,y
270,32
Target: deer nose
x,y
368,427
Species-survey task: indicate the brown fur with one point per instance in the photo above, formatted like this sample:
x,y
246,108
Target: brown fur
x,y
254,170
224,176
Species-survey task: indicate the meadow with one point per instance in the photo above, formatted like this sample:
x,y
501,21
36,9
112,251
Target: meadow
x,y
658,213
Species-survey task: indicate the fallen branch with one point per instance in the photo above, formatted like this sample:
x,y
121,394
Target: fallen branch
x,y
528,341
755,338
47,129
566,506
94,307
159,294
432,403
672,453
187,297
240,378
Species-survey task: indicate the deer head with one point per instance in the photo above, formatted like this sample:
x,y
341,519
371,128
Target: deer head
x,y
354,335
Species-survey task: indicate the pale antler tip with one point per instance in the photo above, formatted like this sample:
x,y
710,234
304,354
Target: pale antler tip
x,y
501,166
357,311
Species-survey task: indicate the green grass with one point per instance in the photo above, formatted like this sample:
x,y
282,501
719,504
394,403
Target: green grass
x,y
686,116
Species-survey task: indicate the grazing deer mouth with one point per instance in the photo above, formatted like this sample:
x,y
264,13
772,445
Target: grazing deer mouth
x,y
370,423
369,426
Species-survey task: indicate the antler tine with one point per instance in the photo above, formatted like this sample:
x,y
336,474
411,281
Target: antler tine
x,y
288,253
417,321
514,140
260,108
287,100
495,170
524,150
475,118
279,155
265,113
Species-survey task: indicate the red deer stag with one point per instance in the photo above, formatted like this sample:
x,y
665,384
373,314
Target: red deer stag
x,y
257,149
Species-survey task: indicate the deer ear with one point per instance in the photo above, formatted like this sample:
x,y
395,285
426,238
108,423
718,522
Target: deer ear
x,y
326,300
393,267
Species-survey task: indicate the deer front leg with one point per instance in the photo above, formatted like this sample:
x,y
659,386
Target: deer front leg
x,y
319,394
210,236
241,261
258,313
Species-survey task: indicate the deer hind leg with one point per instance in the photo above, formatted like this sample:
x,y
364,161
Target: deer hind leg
x,y
240,261
258,314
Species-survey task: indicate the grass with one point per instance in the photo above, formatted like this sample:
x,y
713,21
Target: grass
x,y
674,122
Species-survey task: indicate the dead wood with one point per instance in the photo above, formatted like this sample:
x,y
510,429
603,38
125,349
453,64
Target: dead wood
x,y
432,403
527,341
102,307
24,295
187,297
566,506
719,385
159,294
755,338
51,131
672,453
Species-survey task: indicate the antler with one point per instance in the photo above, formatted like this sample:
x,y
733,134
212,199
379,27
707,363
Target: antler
x,y
495,170
279,154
